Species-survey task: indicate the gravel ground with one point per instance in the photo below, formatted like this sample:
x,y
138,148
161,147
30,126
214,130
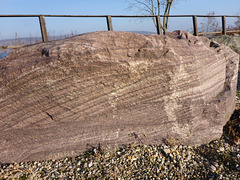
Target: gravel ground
x,y
216,160
220,159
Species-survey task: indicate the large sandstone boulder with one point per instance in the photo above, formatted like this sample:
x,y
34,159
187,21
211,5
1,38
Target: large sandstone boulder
x,y
113,88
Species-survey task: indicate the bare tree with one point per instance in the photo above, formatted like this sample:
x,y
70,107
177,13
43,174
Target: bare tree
x,y
211,24
237,23
167,12
153,7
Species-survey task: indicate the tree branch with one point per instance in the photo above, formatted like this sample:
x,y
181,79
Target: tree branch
x,y
153,7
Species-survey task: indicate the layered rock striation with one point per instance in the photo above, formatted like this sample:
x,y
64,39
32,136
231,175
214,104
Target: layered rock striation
x,y
233,42
113,88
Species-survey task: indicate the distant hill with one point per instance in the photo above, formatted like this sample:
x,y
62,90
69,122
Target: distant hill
x,y
143,32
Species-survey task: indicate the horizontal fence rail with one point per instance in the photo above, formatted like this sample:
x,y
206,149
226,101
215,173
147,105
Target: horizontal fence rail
x,y
110,26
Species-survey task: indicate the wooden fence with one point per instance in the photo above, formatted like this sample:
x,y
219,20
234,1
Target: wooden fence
x,y
110,26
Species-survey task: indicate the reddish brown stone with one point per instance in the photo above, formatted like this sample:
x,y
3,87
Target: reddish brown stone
x,y
60,98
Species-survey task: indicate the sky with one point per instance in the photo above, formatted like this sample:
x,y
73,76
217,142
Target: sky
x,y
29,27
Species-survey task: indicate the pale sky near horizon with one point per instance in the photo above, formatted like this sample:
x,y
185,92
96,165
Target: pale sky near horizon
x,y
56,26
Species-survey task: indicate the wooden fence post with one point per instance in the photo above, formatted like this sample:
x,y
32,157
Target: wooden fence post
x,y
109,23
224,32
43,29
158,23
195,28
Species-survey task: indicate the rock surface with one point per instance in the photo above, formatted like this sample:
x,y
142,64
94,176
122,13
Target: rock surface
x,y
231,41
112,88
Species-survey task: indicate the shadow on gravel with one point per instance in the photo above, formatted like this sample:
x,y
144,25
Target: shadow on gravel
x,y
231,131
223,154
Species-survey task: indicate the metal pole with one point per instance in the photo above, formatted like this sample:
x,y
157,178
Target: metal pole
x,y
195,28
109,23
224,32
43,28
